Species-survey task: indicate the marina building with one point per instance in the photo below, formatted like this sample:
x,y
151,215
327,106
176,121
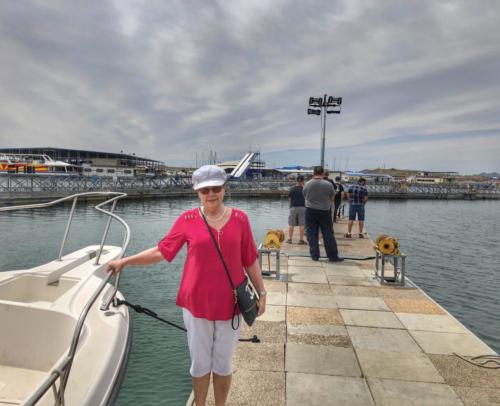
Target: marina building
x,y
51,160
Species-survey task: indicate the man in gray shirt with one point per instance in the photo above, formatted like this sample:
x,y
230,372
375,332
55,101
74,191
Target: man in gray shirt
x,y
319,196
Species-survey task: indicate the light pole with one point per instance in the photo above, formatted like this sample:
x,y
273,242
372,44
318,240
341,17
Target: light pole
x,y
327,105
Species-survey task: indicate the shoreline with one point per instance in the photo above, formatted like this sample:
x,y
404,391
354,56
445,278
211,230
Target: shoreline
x,y
16,198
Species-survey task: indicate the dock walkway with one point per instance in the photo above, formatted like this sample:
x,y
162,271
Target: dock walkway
x,y
332,335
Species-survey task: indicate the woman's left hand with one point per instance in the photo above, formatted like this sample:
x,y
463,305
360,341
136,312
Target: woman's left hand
x,y
262,305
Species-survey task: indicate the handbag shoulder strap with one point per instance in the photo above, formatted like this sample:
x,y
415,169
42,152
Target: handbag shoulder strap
x,y
218,249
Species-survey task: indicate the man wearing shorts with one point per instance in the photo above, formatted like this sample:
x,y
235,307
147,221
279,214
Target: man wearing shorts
x,y
297,210
358,196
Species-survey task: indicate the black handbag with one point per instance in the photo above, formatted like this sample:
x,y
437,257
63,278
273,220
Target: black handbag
x,y
245,296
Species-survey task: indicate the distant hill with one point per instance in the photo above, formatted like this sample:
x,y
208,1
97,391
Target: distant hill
x,y
490,174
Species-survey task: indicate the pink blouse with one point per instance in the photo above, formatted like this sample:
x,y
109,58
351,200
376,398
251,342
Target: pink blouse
x,y
205,289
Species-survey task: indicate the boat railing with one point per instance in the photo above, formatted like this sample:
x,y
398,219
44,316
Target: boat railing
x,y
62,369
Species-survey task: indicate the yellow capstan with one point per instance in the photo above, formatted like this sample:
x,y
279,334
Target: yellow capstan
x,y
387,244
273,239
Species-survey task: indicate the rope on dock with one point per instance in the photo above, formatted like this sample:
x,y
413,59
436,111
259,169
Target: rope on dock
x,y
151,313
351,258
482,361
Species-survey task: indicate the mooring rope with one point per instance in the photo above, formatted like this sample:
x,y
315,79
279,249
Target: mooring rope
x,y
151,313
299,255
482,361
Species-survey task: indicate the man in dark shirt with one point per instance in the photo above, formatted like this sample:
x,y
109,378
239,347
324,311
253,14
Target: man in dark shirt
x,y
338,199
319,196
297,210
326,176
358,196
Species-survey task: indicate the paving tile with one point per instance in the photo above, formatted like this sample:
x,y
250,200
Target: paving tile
x,y
360,303
344,271
274,286
320,390
260,357
324,302
311,276
369,318
318,339
448,343
373,291
382,339
304,269
249,388
324,329
363,291
299,270
458,372
398,393
267,331
345,264
478,396
319,335
397,365
431,322
368,265
309,288
306,262
368,272
273,313
354,281
276,298
410,305
321,360
397,292
307,315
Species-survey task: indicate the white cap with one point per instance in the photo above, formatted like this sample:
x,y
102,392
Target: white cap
x,y
208,175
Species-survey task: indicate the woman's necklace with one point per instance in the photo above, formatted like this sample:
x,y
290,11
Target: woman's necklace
x,y
212,219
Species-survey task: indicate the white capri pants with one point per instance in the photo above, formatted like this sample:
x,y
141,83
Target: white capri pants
x,y
211,345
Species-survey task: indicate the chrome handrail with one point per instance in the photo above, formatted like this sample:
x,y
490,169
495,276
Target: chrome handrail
x,y
63,368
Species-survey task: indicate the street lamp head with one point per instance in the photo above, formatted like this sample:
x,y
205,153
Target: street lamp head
x,y
334,101
332,111
315,101
314,111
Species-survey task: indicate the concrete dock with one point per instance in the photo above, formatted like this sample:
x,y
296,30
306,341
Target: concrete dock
x,y
333,335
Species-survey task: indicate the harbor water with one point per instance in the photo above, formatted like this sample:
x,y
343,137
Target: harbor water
x,y
452,249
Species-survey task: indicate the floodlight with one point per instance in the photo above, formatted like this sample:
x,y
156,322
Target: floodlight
x,y
315,101
328,105
334,101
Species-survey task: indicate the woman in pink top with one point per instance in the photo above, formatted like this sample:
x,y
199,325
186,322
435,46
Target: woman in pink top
x,y
205,294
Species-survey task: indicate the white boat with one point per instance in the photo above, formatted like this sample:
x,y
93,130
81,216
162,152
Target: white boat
x,y
57,346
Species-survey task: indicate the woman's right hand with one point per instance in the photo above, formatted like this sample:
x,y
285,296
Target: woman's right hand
x,y
115,266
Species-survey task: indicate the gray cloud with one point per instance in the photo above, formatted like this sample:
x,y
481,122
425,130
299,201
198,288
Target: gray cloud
x,y
169,79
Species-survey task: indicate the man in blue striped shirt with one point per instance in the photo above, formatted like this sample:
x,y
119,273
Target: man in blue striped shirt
x,y
358,196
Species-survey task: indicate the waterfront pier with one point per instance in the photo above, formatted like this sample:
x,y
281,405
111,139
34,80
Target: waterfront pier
x,y
333,335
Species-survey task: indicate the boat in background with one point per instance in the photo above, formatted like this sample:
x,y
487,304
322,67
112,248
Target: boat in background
x,y
36,164
56,347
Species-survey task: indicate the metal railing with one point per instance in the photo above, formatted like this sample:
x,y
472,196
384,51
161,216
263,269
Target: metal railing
x,y
12,184
62,370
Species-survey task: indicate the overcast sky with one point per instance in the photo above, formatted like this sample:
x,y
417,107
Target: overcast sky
x,y
420,80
